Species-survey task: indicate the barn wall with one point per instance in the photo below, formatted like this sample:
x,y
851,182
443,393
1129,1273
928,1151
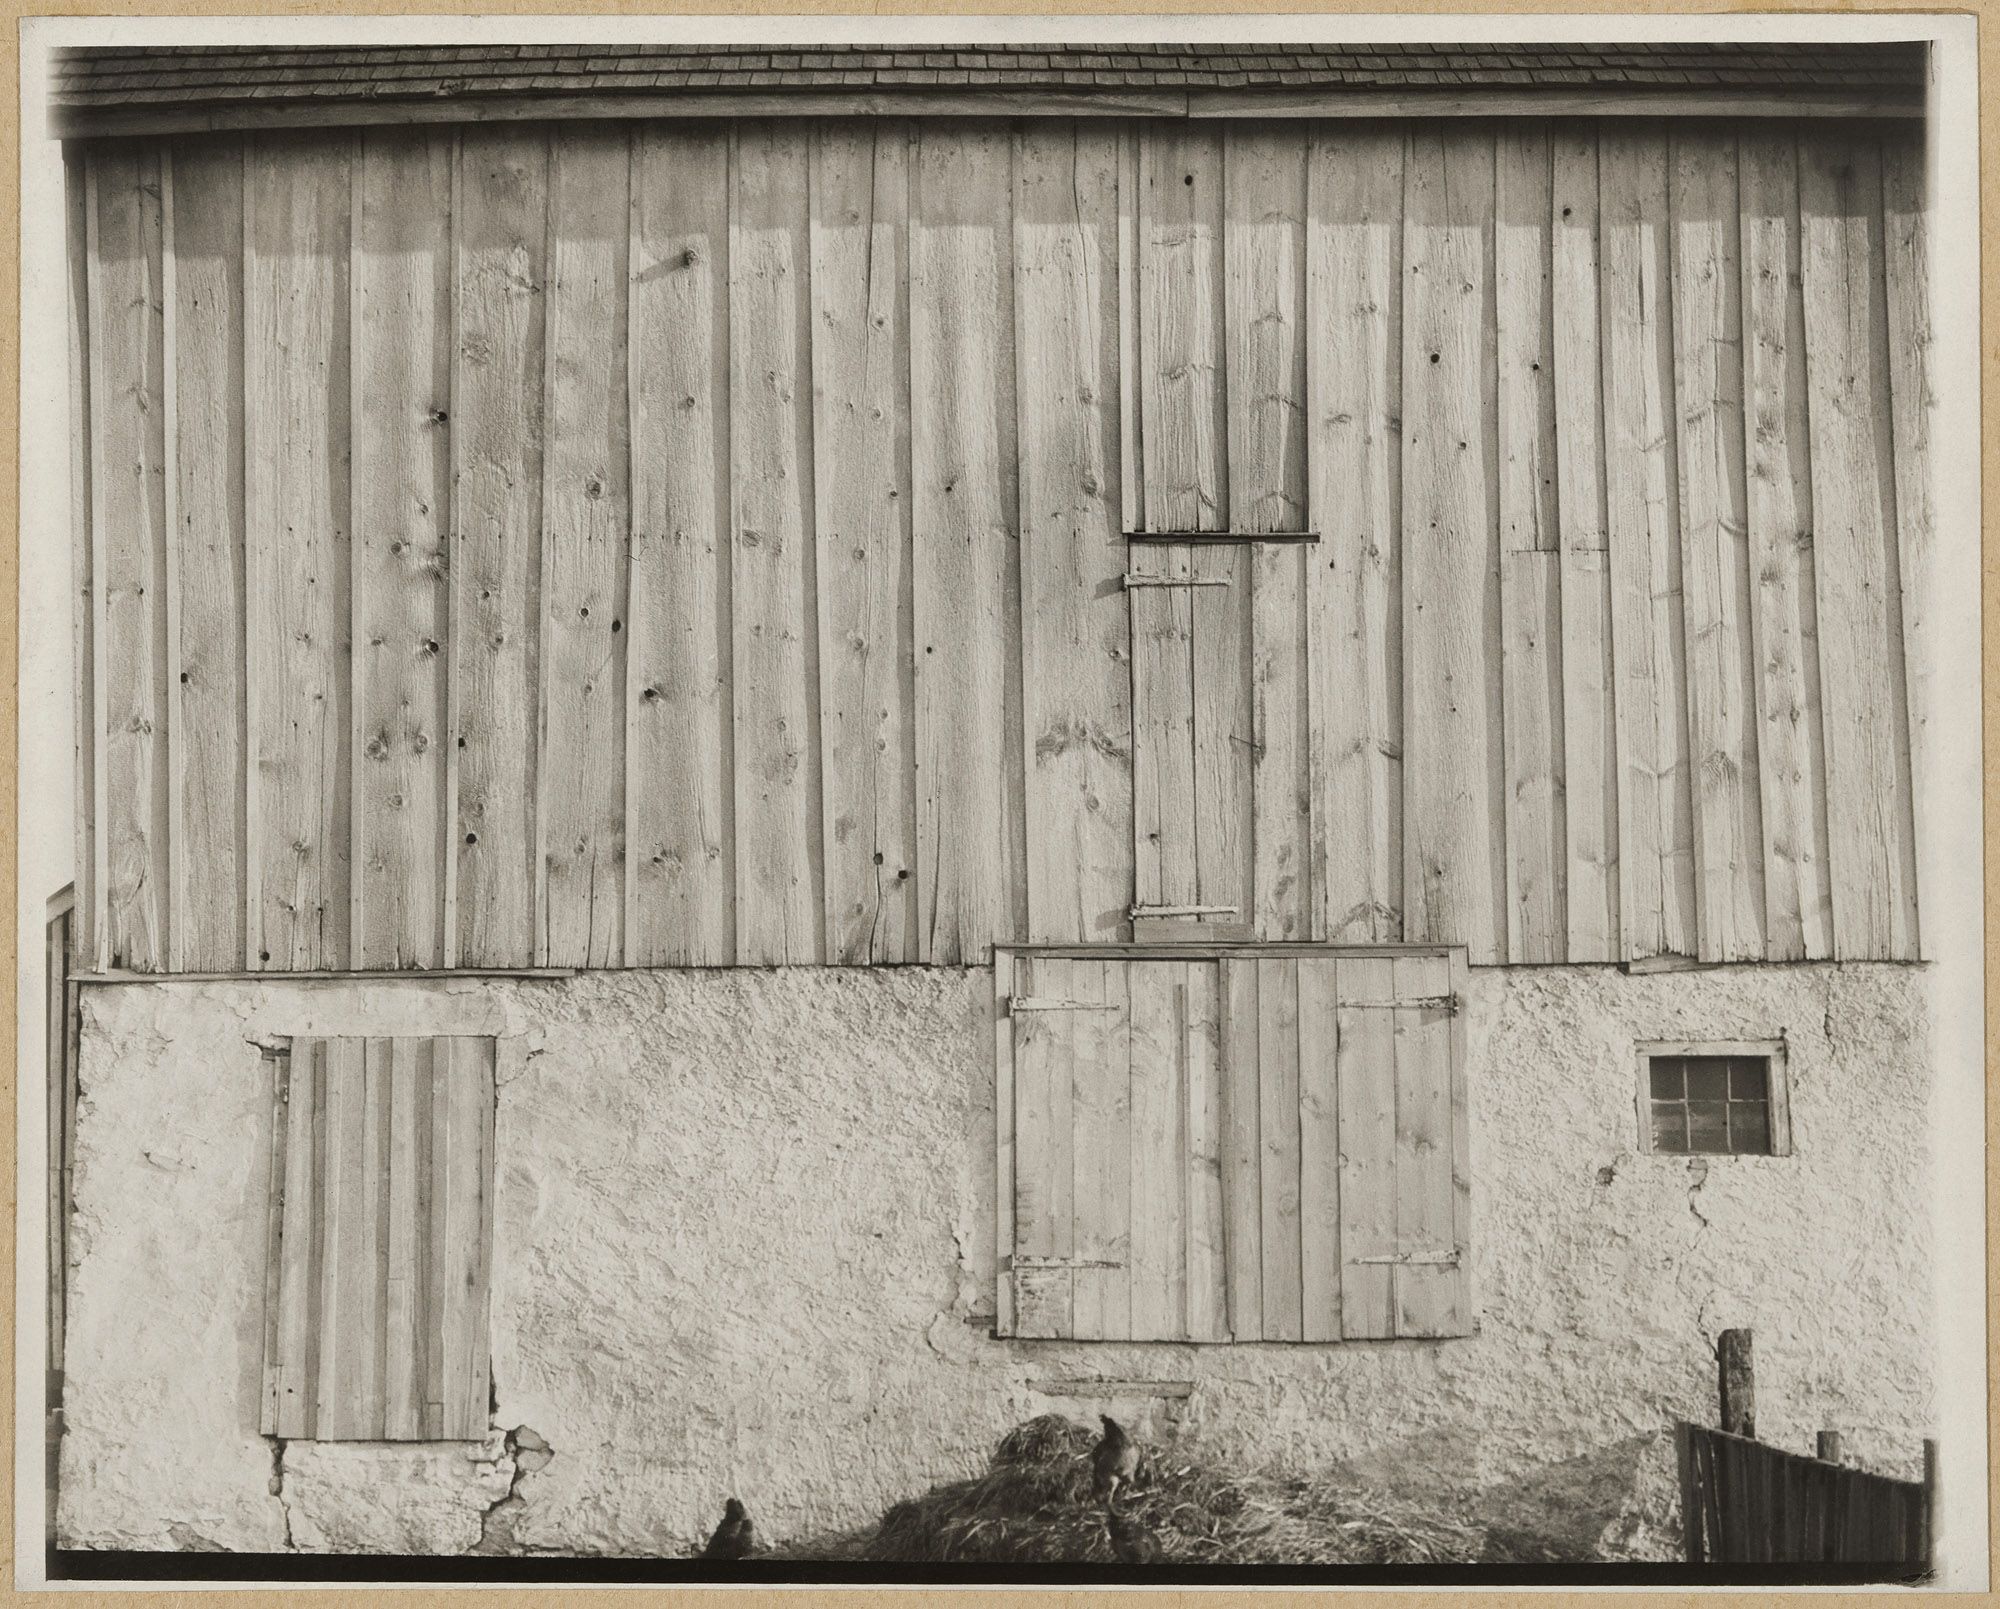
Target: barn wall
x,y
781,1283
702,544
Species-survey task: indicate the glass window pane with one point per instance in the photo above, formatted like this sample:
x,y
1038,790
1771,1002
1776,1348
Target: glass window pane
x,y
1750,1128
1708,1078
1708,1125
1666,1074
1669,1126
1747,1080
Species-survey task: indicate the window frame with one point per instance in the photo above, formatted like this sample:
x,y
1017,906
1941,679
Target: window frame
x,y
1777,1091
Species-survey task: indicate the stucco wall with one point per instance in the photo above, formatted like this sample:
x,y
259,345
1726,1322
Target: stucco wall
x,y
745,1244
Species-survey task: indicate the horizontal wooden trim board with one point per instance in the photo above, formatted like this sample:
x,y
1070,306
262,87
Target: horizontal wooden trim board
x,y
94,123
1113,1388
1218,538
1200,950
374,974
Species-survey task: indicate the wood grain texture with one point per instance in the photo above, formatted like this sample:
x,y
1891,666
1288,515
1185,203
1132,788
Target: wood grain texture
x,y
1159,1151
1589,730
586,528
679,804
1706,283
297,227
1656,901
967,583
129,512
1367,1091
778,900
1163,773
1791,757
206,696
1008,976
410,1072
1319,1148
500,243
1102,1152
1454,871
1207,1229
1044,1148
1264,363
1354,378
1855,577
861,521
1278,1108
1242,1151
1913,406
1075,654
1426,1218
401,375
86,924
1537,841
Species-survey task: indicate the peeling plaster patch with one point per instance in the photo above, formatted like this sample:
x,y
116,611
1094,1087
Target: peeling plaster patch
x,y
526,1453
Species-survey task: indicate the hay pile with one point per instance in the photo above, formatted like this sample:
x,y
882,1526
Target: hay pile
x,y
1034,1505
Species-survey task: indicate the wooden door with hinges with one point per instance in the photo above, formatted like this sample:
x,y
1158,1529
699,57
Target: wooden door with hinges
x,y
1233,1143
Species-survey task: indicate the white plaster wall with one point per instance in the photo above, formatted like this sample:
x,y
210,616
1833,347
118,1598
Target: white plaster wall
x,y
745,1245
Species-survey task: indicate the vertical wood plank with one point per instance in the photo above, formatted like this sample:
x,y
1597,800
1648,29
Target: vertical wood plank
x,y
475,1382
344,1270
1656,841
80,200
586,527
272,1397
1906,242
1453,847
1426,1216
129,514
297,224
1278,1106
1354,377
1537,841
1163,770
1791,757
1264,363
1705,277
1366,1079
680,879
1005,967
371,1317
969,764
1076,665
1044,1135
1207,1236
1869,814
297,1284
500,241
408,1062
861,520
1319,1148
206,698
1242,1151
1159,1152
401,374
439,1160
1452,1284
467,1069
1102,1152
1590,744
776,768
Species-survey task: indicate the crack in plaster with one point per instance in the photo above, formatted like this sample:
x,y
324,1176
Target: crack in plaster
x,y
277,1488
527,1452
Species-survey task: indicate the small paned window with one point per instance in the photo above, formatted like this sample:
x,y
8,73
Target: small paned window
x,y
1714,1099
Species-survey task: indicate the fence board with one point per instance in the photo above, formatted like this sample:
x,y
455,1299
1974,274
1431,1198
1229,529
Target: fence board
x,y
1454,869
1745,1502
1656,844
1264,356
498,357
680,835
966,574
401,375
206,699
1354,355
1855,568
861,512
1366,1085
1530,563
1706,282
586,515
297,223
1791,759
129,511
1076,665
1589,733
1912,404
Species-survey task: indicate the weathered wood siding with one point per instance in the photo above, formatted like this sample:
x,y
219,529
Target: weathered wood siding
x,y
704,544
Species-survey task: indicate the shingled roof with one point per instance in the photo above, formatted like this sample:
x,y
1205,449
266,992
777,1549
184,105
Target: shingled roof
x,y
102,90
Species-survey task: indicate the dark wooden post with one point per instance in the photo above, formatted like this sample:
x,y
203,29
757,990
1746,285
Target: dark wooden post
x,y
1829,1446
1739,1391
1930,1503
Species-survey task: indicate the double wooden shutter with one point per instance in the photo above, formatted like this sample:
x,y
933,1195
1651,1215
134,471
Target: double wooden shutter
x,y
381,1233
1269,1145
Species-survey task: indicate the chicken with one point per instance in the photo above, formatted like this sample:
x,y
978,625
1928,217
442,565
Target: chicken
x,y
1115,1459
1131,1540
734,1537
